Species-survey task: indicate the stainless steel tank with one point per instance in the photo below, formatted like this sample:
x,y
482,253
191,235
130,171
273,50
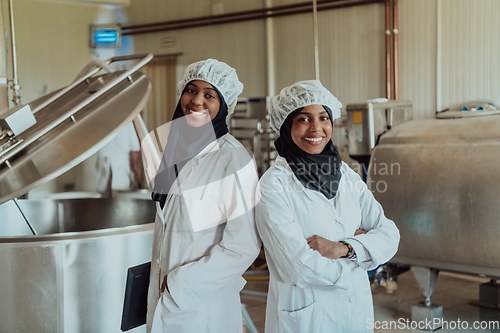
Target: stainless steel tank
x,y
438,180
63,263
71,276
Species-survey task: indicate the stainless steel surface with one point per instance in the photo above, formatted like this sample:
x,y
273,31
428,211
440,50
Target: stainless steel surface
x,y
151,155
144,59
437,179
51,147
71,277
250,125
426,279
263,147
429,318
373,119
489,294
256,107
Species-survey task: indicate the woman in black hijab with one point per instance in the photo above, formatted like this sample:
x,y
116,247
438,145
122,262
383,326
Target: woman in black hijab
x,y
321,227
205,236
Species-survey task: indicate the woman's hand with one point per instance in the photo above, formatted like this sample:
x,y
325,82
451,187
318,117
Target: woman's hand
x,y
360,232
164,285
327,248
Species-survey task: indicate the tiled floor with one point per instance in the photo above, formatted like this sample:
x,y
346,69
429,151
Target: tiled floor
x,y
458,294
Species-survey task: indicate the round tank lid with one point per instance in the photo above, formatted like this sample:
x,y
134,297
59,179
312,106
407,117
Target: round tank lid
x,y
71,125
465,114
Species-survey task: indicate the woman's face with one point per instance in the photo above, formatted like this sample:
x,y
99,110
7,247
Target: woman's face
x,y
200,103
312,129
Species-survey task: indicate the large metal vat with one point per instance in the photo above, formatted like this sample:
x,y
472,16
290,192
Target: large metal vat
x,y
438,180
64,262
71,276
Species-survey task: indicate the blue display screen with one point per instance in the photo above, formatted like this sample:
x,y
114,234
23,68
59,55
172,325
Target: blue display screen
x,y
105,37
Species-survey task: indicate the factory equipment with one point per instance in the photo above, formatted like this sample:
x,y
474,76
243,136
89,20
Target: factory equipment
x,y
368,121
64,262
250,125
437,179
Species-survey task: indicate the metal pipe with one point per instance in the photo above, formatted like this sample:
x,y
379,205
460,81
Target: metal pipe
x,y
150,151
315,35
271,12
270,52
395,48
15,84
25,218
388,48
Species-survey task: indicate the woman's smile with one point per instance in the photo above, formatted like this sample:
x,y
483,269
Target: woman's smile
x,y
312,129
314,141
199,113
200,103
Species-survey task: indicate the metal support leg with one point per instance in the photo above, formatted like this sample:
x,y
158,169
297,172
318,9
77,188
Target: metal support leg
x,y
489,294
248,321
426,311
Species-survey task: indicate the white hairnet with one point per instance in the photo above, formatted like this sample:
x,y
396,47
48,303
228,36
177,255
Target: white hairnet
x,y
218,74
298,95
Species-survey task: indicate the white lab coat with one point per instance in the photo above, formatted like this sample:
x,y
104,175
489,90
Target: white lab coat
x,y
113,162
204,240
309,292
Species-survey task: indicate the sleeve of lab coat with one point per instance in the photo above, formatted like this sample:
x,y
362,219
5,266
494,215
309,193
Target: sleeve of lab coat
x,y
197,281
381,242
284,241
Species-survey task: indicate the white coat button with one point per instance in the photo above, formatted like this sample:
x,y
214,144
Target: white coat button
x,y
158,260
352,299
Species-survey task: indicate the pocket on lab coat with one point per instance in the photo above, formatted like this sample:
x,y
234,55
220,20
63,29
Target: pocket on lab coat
x,y
169,317
303,320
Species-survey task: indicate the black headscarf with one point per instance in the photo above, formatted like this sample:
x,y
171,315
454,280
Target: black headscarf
x,y
185,142
319,172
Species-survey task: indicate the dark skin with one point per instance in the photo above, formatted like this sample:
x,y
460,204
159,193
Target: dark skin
x,y
200,103
329,249
311,131
164,285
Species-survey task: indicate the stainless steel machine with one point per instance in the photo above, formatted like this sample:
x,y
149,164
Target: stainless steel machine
x,y
438,180
64,262
368,121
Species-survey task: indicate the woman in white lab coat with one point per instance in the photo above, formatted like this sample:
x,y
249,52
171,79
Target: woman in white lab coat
x,y
205,235
312,202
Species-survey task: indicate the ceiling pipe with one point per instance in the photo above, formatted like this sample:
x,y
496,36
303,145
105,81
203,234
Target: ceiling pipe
x,y
395,48
271,82
16,98
316,43
239,16
388,48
